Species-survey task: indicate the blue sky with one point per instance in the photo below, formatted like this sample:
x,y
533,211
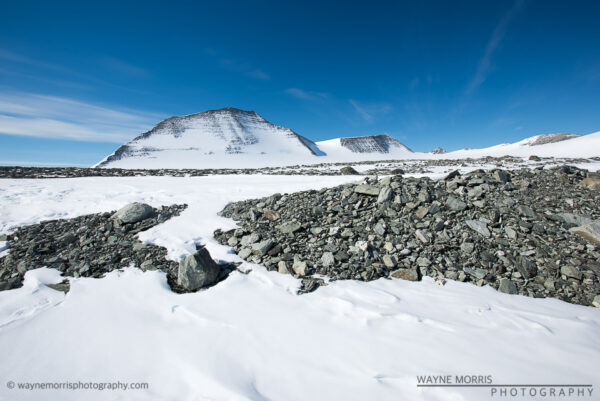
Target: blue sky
x,y
79,78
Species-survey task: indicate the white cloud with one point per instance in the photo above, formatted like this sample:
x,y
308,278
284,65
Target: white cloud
x,y
244,68
304,95
54,117
369,111
124,68
485,63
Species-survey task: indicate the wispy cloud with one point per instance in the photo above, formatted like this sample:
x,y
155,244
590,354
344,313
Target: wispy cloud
x,y
61,76
124,68
35,163
244,68
306,95
369,111
43,116
485,63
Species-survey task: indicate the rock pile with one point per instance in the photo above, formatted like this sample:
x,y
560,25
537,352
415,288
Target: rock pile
x,y
93,245
508,230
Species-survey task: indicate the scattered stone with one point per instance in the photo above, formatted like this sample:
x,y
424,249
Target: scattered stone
x,y
479,227
535,158
366,189
591,182
385,195
328,259
590,232
570,272
405,274
271,215
133,213
282,267
348,171
422,212
63,286
456,204
288,228
507,286
421,236
261,248
197,271
389,261
300,268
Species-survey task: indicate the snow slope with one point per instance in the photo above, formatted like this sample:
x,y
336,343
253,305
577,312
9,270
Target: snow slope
x,y
576,146
214,138
250,337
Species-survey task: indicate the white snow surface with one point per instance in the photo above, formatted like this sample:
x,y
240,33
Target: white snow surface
x,y
251,337
578,147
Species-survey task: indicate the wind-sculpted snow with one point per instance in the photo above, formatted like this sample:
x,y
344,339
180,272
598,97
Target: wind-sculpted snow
x,y
251,337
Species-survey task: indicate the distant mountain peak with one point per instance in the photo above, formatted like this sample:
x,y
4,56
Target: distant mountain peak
x,y
439,151
549,138
372,144
212,133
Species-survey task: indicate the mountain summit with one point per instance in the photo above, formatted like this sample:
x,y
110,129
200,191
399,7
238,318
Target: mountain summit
x,y
212,135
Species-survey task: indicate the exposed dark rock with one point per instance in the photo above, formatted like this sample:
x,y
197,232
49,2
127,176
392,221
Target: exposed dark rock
x,y
507,230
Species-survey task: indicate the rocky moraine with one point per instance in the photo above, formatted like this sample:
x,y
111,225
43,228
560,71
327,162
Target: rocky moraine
x,y
530,232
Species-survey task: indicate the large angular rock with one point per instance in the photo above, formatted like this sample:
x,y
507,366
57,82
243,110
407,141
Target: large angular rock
x,y
197,271
288,228
406,274
455,204
327,259
479,227
300,268
571,219
592,182
133,213
570,272
507,286
501,175
366,189
590,232
385,195
261,248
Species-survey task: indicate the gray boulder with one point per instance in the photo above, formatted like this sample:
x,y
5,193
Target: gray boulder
x,y
133,213
197,271
348,171
507,286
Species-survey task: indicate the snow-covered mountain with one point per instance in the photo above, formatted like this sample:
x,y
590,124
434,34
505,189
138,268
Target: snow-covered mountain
x,y
546,145
376,147
233,138
214,138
